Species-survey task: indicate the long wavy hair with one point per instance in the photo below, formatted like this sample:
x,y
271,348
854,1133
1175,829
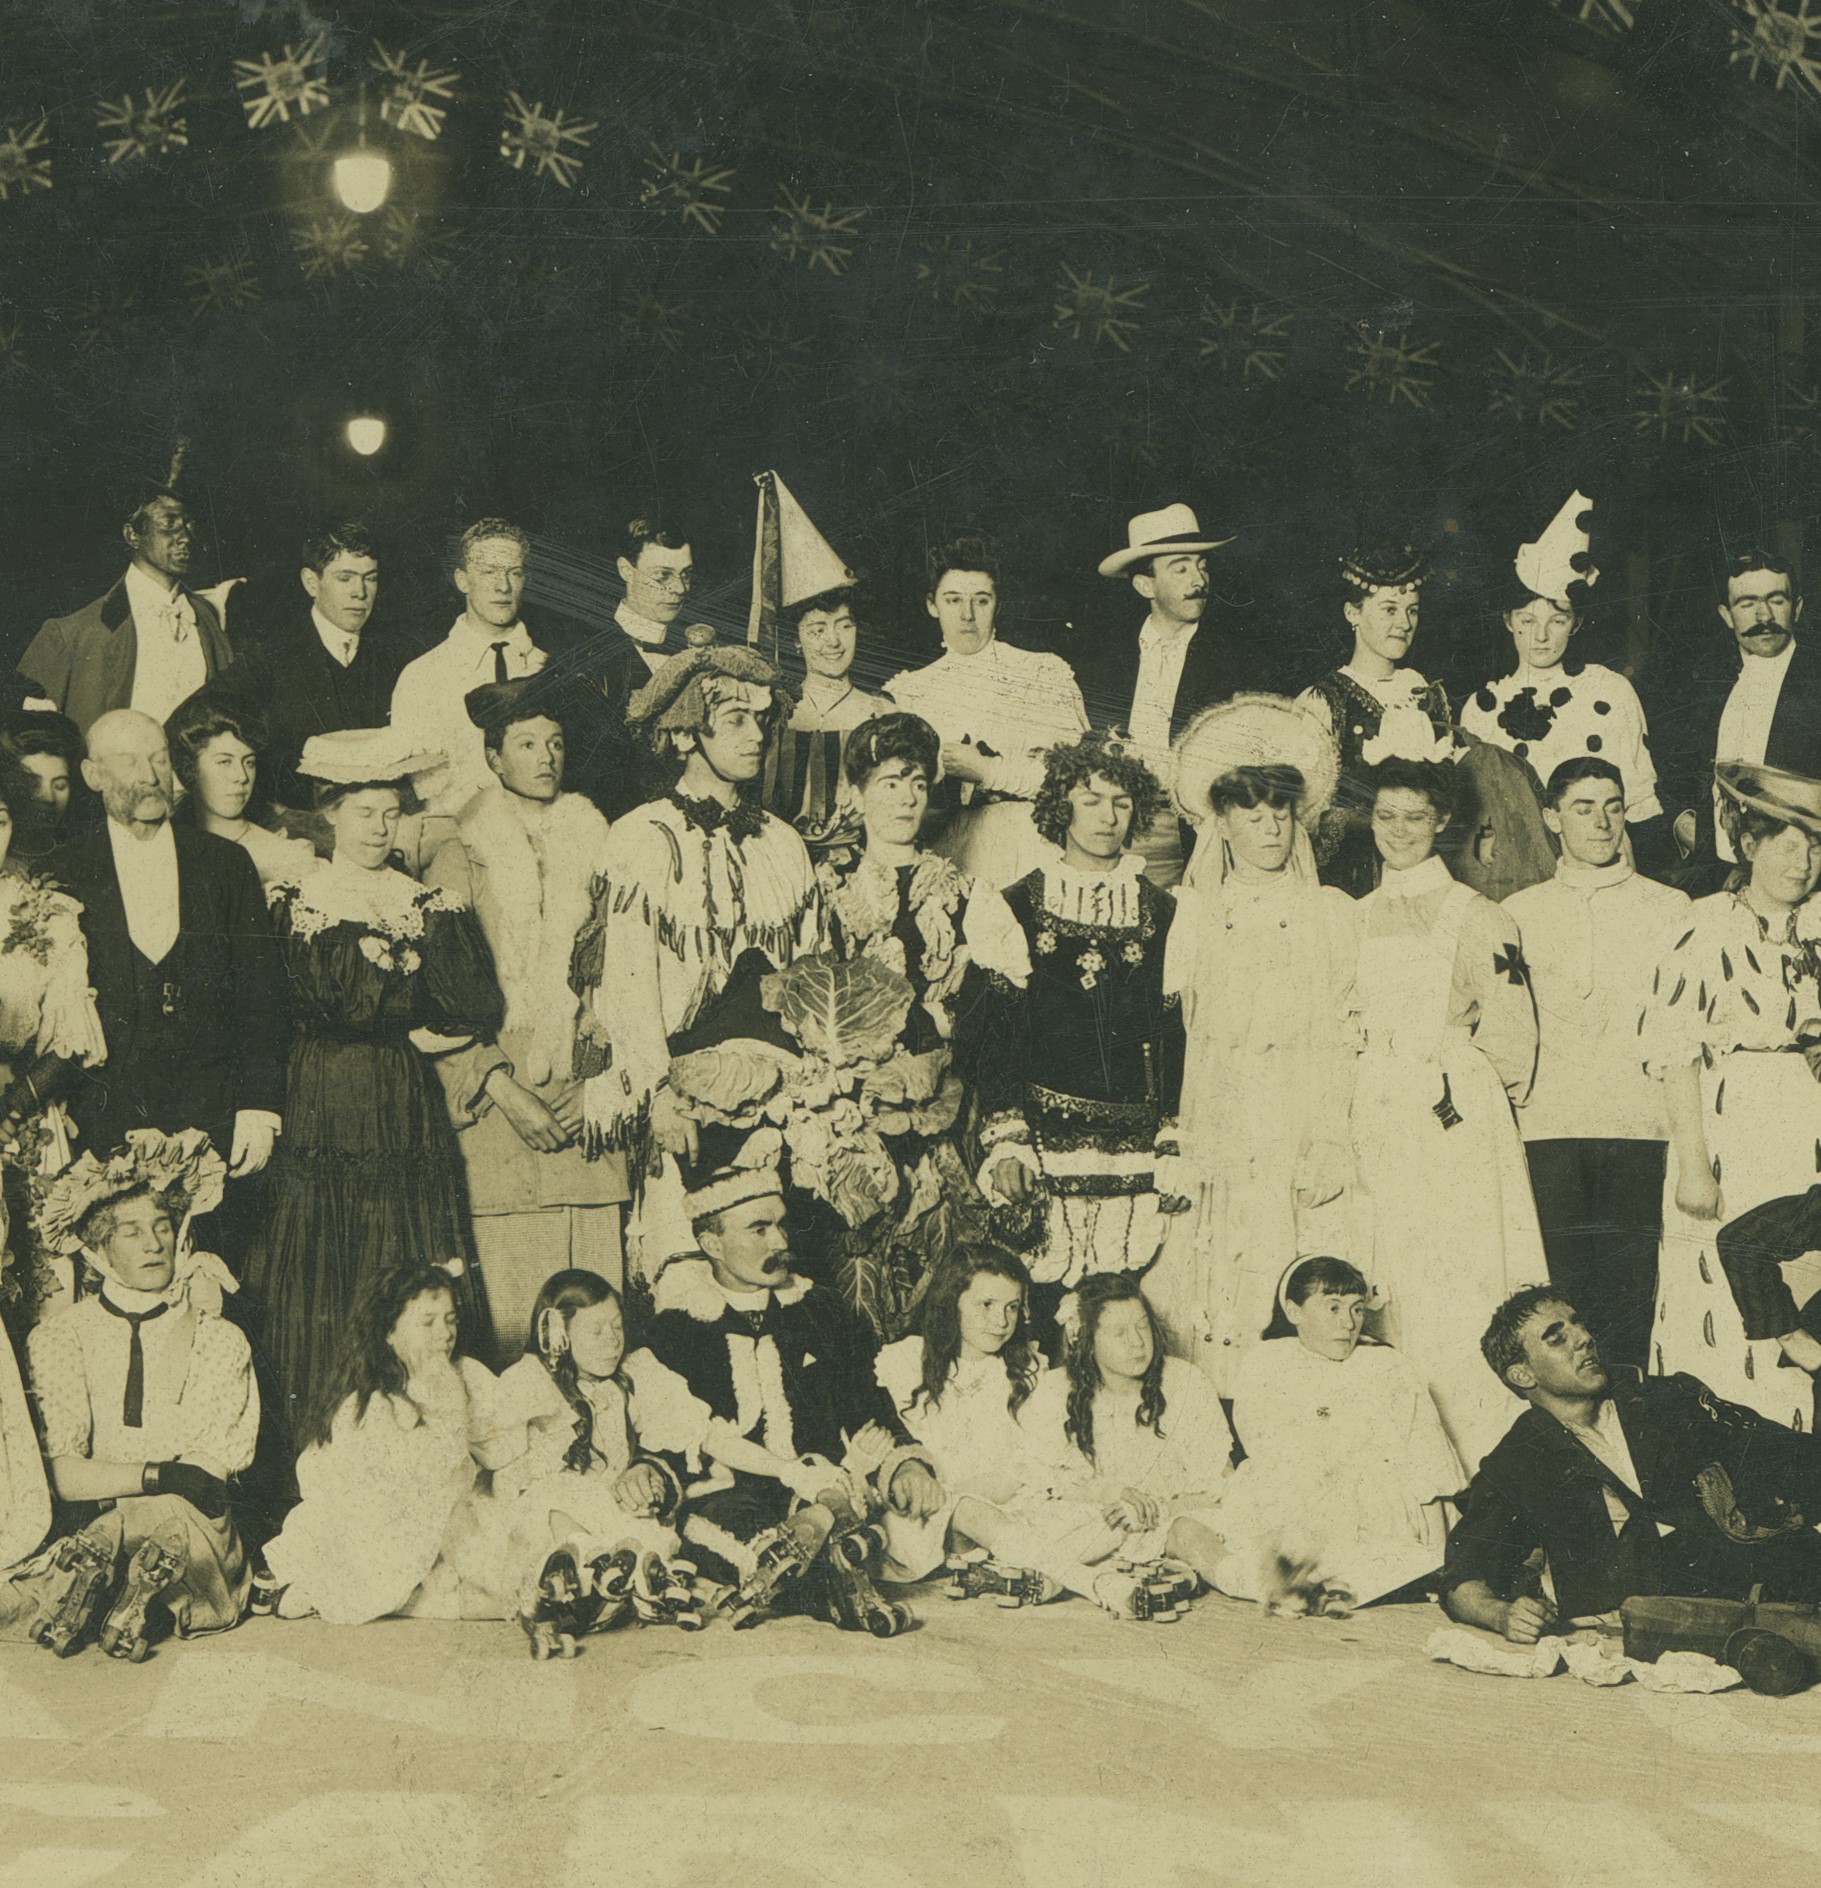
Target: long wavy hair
x,y
940,1324
365,1364
564,1294
1092,1297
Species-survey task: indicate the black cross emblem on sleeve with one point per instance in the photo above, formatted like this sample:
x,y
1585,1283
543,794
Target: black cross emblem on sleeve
x,y
1509,964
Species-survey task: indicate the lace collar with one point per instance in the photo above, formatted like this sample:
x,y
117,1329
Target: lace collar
x,y
389,904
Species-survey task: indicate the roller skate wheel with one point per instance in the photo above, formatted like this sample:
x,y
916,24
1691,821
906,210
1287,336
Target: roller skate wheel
x,y
744,1618
881,1624
690,1621
954,1591
1009,1602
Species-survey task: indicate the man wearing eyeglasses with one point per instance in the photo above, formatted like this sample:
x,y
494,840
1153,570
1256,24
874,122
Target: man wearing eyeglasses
x,y
489,643
1770,714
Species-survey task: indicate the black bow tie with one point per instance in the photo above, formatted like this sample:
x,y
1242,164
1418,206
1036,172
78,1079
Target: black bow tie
x,y
132,1402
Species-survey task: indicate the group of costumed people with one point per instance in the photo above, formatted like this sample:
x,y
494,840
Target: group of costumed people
x,y
1068,1161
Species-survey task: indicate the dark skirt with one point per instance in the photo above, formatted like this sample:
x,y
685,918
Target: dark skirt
x,y
366,1176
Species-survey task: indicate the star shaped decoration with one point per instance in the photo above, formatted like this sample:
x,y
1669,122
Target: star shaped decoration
x,y
1782,41
414,239
1400,369
816,237
1246,336
407,99
1681,404
770,350
1096,311
1509,964
274,87
531,135
686,190
653,321
955,274
21,166
227,282
328,246
153,129
1531,387
107,320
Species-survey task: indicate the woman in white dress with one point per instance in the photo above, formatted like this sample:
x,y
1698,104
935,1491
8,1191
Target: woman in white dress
x,y
959,1383
1734,1007
1548,709
1261,955
1340,1499
1448,1226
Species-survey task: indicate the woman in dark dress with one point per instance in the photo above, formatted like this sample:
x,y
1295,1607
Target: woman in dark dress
x,y
385,974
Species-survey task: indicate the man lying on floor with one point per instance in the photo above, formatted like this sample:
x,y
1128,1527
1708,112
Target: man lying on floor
x,y
1612,1484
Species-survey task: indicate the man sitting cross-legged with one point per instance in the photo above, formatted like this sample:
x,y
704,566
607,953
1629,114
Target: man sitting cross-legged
x,y
1626,1484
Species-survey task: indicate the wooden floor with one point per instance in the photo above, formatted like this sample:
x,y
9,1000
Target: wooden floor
x,y
1054,1747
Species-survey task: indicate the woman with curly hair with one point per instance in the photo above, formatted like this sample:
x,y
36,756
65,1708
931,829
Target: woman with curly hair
x,y
1130,1455
216,744
1080,1074
1447,1225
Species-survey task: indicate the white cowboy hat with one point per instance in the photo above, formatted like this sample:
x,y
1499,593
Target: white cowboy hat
x,y
1160,534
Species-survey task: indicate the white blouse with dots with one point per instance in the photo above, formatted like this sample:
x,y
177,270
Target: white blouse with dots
x,y
1547,716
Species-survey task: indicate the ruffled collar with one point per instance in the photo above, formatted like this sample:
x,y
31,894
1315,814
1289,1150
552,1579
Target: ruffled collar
x,y
745,819
386,902
689,1284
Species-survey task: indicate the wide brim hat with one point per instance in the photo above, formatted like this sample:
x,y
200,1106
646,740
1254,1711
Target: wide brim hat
x,y
1166,533
1255,730
552,692
1792,798
351,757
673,701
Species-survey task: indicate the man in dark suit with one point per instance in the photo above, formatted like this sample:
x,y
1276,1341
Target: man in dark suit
x,y
323,671
1624,1485
149,643
1765,710
605,762
1154,684
186,970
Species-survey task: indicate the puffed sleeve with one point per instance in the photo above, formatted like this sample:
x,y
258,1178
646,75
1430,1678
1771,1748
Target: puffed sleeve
x,y
222,1397
60,1388
900,1371
1489,968
460,989
1052,713
68,1022
1673,1029
667,1416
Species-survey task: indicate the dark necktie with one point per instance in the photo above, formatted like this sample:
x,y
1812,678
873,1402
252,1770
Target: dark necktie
x,y
500,671
132,1403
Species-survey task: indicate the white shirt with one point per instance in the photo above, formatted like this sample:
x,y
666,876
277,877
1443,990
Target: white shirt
x,y
1745,723
1606,1441
340,645
1593,938
147,871
430,704
649,635
168,665
1161,653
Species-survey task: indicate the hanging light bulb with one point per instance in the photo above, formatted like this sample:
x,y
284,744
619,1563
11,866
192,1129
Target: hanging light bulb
x,y
362,178
366,433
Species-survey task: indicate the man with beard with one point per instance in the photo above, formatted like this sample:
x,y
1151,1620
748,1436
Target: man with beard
x,y
149,643
1769,713
690,885
1623,1485
186,972
1154,686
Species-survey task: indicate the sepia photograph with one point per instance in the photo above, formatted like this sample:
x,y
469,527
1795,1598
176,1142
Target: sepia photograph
x,y
910,956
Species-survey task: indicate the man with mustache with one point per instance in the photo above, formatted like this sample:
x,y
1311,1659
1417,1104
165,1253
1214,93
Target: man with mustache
x,y
1769,715
1178,665
150,642
1625,1485
186,972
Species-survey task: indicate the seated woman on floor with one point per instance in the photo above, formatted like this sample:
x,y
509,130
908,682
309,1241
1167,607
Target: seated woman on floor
x,y
960,1383
148,1408
1131,1454
1340,1498
390,1518
586,1503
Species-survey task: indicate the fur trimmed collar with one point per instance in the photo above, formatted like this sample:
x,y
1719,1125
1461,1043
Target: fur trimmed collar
x,y
688,1284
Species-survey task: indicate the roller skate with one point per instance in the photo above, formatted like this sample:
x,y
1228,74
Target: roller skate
x,y
780,1556
558,1610
977,1573
848,1598
1128,1595
75,1585
153,1567
664,1593
1169,1585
